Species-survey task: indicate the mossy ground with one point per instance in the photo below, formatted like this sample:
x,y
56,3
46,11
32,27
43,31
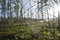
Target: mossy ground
x,y
29,31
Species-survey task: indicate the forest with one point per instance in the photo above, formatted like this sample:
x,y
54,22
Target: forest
x,y
29,20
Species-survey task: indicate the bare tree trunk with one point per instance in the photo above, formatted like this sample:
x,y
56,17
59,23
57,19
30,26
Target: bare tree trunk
x,y
38,2
21,15
42,9
58,20
3,10
10,13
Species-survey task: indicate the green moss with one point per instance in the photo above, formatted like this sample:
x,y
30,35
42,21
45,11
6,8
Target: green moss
x,y
31,31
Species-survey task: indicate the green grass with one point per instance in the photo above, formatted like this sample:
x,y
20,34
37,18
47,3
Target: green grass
x,y
31,31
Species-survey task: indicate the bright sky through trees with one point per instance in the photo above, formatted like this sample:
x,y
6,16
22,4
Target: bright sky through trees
x,y
54,8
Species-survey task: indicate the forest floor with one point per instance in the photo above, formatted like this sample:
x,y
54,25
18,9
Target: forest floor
x,y
30,30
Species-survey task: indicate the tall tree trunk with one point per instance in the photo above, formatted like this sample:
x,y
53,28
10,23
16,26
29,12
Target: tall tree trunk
x,y
38,9
17,16
21,15
58,20
10,13
42,9
3,10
